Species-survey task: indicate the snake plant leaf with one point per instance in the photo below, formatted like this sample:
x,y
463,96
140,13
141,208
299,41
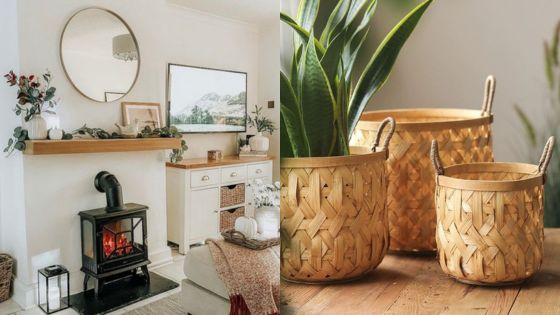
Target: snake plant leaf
x,y
317,103
306,15
286,149
355,7
305,35
549,65
342,123
335,23
379,67
332,58
357,39
292,120
529,128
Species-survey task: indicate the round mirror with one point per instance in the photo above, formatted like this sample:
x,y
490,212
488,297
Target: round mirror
x,y
99,54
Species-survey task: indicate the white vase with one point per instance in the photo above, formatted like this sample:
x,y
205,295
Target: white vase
x,y
259,142
268,220
37,128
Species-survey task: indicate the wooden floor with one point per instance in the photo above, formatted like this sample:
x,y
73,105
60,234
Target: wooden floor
x,y
416,285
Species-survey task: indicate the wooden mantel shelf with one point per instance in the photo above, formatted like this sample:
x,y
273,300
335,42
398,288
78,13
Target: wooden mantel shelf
x,y
43,147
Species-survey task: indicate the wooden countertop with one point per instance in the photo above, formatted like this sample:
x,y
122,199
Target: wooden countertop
x,y
415,285
226,160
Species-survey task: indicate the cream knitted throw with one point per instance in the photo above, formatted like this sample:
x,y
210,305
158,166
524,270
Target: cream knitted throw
x,y
251,277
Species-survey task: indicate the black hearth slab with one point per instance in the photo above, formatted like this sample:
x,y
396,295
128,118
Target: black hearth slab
x,y
120,294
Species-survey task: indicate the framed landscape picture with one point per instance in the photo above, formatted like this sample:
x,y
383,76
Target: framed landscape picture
x,y
147,114
203,100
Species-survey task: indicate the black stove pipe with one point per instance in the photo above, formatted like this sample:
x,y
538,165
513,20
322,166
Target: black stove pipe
x,y
108,183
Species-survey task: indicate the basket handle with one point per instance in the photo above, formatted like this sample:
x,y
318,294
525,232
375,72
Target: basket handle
x,y
546,156
489,90
436,160
387,121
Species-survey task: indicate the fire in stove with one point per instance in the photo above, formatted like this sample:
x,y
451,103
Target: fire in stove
x,y
116,245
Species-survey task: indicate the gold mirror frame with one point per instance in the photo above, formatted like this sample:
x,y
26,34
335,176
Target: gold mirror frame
x,y
133,38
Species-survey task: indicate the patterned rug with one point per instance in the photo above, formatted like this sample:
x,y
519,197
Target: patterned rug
x,y
168,306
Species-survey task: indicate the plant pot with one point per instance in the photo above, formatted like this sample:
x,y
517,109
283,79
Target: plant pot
x,y
490,219
334,224
37,128
259,142
465,135
268,220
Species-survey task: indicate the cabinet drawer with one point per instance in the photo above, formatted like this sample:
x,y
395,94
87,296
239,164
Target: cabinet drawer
x,y
258,170
205,178
234,174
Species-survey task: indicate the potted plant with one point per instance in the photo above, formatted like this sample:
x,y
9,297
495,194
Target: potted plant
x,y
266,199
260,142
334,220
35,97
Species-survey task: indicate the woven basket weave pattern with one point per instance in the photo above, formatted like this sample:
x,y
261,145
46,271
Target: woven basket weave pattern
x,y
232,196
410,196
334,220
227,219
6,264
490,237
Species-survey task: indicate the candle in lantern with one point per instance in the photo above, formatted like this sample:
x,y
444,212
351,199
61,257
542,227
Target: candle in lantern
x,y
54,297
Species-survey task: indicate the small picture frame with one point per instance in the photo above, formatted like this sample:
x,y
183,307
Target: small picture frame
x,y
147,114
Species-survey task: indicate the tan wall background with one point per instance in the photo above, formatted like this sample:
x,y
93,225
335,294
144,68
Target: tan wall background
x,y
454,48
456,45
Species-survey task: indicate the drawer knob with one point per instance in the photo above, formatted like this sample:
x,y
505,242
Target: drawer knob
x,y
258,171
234,174
205,178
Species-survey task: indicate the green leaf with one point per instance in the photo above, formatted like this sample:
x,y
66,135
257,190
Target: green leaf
x,y
529,128
10,142
20,146
357,39
332,58
285,143
317,104
307,13
335,23
379,67
305,35
355,7
291,114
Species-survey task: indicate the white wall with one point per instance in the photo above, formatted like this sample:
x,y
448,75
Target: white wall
x,y
454,48
269,83
12,210
57,187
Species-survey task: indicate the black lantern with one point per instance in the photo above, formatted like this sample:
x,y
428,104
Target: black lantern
x,y
54,288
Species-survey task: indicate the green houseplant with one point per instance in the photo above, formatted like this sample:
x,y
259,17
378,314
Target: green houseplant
x,y
320,103
333,201
537,135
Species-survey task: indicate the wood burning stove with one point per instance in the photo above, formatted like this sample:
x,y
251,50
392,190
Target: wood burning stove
x,y
114,238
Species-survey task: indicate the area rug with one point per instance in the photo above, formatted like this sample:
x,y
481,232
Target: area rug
x,y
168,306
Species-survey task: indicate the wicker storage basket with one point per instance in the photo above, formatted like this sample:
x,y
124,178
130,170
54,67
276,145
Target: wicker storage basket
x,y
228,217
465,136
490,219
333,215
232,195
6,265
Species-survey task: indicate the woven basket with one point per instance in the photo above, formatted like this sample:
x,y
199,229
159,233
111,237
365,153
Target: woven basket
x,y
232,195
228,217
490,219
465,136
333,215
6,265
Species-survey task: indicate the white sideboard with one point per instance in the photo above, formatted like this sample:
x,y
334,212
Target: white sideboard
x,y
193,194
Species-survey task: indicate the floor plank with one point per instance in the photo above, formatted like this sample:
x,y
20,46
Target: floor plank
x,y
415,285
540,295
